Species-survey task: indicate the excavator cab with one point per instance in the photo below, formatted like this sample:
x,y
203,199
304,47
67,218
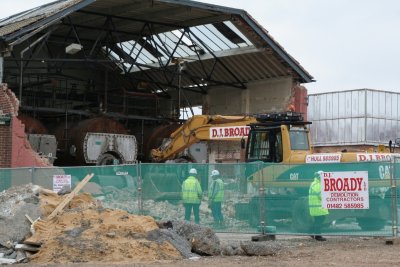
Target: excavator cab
x,y
277,137
265,145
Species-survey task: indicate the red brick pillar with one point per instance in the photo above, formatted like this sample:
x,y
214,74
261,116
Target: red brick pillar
x,y
5,130
5,146
300,100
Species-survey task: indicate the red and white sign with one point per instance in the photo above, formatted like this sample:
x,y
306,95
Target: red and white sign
x,y
61,180
375,157
229,132
345,190
324,158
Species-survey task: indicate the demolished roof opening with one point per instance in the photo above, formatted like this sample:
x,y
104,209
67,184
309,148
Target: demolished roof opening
x,y
186,44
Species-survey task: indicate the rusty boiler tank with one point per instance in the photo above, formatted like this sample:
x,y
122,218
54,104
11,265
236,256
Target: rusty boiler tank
x,y
32,125
156,137
95,141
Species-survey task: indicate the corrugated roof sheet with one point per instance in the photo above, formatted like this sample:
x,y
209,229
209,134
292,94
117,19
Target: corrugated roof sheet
x,y
20,20
168,18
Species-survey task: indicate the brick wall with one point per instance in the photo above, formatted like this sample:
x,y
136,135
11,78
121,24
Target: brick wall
x,y
15,150
5,130
5,146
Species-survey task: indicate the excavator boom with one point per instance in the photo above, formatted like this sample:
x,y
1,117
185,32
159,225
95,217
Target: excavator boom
x,y
203,128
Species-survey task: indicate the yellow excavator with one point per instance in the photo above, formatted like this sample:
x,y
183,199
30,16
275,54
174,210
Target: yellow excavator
x,y
283,163
281,159
203,128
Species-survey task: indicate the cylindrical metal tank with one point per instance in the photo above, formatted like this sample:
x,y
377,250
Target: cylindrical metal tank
x,y
156,138
32,125
71,140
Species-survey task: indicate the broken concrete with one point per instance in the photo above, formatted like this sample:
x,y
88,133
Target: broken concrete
x,y
232,249
265,248
202,239
128,200
14,205
179,242
7,261
21,256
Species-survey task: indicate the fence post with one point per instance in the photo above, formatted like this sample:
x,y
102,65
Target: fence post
x,y
262,203
140,192
393,187
33,174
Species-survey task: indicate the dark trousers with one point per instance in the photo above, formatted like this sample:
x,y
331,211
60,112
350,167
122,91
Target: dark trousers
x,y
216,212
188,211
317,224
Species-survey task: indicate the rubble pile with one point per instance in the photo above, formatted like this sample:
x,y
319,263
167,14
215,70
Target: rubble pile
x,y
123,199
15,204
96,234
34,228
127,200
85,231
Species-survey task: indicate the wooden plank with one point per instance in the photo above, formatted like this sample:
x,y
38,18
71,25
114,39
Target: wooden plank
x,y
45,191
26,247
40,226
70,196
29,218
29,241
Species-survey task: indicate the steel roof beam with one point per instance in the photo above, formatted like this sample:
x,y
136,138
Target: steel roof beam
x,y
235,85
243,86
171,25
97,28
86,113
141,47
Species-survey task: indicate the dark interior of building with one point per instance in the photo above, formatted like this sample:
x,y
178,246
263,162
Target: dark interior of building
x,y
141,64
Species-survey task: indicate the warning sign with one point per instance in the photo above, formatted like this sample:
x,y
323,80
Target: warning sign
x,y
345,190
61,180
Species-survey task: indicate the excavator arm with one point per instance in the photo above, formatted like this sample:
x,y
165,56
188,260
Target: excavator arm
x,y
202,128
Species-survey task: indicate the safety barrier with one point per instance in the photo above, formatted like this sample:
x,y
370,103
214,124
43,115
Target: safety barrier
x,y
361,198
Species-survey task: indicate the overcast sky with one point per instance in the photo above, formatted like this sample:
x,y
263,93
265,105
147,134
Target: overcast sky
x,y
343,44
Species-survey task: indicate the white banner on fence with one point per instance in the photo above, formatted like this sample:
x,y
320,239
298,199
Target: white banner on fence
x,y
60,180
345,190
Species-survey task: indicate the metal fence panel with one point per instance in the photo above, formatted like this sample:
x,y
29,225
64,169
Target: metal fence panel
x,y
258,197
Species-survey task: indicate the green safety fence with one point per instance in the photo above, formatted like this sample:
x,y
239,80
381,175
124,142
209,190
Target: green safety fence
x,y
258,197
358,198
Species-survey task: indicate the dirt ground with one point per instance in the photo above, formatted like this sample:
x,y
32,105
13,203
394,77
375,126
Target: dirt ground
x,y
302,251
89,235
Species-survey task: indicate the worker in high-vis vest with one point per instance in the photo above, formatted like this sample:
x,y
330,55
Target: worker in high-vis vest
x,y
315,205
216,197
191,196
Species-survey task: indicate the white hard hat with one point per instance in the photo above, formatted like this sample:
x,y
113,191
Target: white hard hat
x,y
318,173
214,173
192,171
